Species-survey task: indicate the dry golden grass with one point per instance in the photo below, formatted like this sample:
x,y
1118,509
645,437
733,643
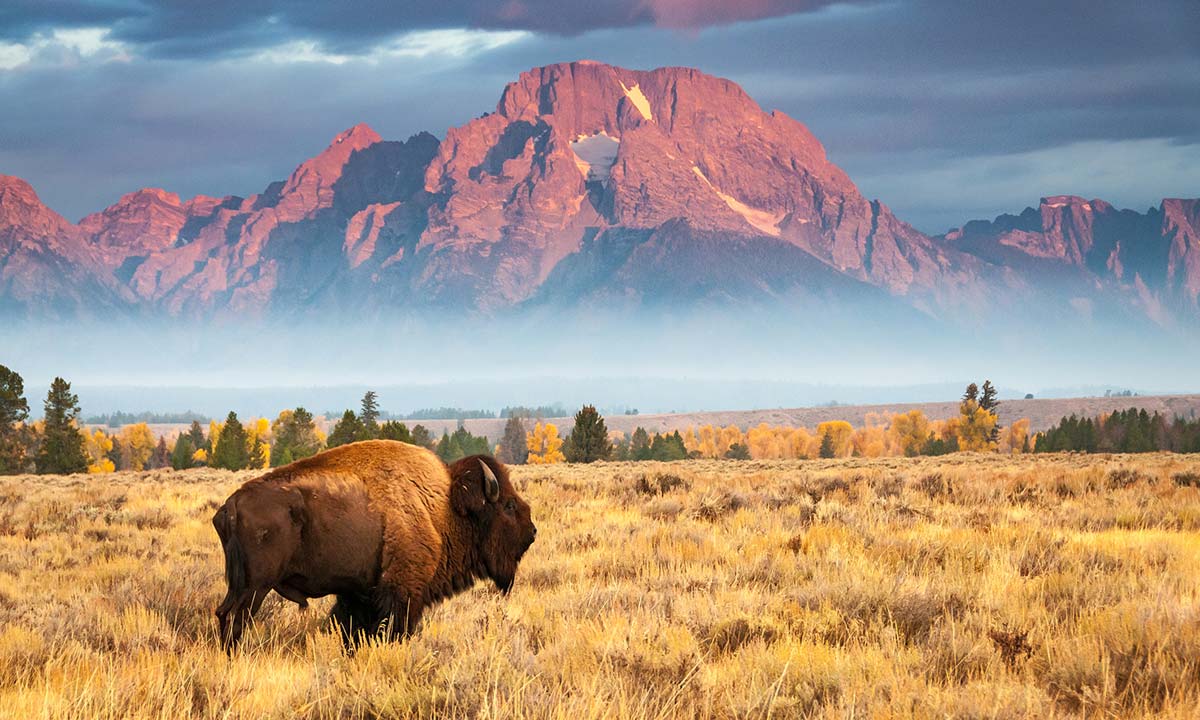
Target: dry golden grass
x,y
969,586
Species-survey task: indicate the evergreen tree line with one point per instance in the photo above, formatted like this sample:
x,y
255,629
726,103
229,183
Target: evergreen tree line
x,y
120,419
540,411
1124,431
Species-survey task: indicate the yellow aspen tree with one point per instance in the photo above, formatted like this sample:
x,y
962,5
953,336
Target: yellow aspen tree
x,y
214,432
909,432
1013,438
691,443
840,433
975,427
730,435
545,446
870,441
709,442
137,445
98,445
781,446
758,440
800,444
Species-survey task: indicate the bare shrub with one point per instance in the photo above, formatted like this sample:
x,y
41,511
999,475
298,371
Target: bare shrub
x,y
730,635
1186,479
715,505
660,484
936,486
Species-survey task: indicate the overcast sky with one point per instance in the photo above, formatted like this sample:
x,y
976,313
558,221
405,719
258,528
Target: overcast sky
x,y
943,111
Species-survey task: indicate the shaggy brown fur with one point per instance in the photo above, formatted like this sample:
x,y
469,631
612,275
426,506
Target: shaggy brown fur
x,y
385,526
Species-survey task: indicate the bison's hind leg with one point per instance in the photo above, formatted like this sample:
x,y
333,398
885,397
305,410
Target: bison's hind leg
x,y
356,618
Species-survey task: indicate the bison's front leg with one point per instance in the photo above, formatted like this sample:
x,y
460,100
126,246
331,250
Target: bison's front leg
x,y
235,612
357,618
403,613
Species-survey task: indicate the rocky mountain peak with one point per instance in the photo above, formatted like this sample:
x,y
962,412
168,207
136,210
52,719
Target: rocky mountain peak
x,y
310,186
139,223
22,209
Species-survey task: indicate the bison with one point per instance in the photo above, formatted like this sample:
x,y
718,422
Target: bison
x,y
385,526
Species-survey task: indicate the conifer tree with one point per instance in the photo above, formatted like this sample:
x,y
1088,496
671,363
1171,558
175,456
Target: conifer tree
x,y
987,397
667,447
827,450
196,437
448,449
513,446
393,430
294,436
117,456
62,448
421,436
989,403
14,409
369,416
971,393
161,457
588,441
347,430
231,452
737,451
181,455
259,454
639,444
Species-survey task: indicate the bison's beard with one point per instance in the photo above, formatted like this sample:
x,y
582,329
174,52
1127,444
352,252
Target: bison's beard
x,y
501,557
503,571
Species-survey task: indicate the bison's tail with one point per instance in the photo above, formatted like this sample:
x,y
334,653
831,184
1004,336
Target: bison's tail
x,y
235,558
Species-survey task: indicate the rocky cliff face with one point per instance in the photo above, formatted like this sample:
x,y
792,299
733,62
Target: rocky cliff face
x,y
589,182
1151,258
278,250
47,266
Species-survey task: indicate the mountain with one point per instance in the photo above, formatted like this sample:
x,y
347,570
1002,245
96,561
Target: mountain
x,y
1151,259
48,266
590,183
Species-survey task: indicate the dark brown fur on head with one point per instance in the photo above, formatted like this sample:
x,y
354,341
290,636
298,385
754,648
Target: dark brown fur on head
x,y
503,527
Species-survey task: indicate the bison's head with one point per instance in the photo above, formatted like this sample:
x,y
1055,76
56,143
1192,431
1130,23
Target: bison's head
x,y
481,492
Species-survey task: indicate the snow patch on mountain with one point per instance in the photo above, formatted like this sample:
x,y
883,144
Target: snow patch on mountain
x,y
595,155
638,98
761,219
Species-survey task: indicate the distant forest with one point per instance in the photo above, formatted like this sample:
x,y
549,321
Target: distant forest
x,y
1126,431
118,419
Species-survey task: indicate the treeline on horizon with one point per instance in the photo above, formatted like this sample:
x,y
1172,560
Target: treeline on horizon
x,y
60,444
1124,431
120,418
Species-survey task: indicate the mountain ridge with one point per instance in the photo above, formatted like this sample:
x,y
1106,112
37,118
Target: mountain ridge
x,y
588,182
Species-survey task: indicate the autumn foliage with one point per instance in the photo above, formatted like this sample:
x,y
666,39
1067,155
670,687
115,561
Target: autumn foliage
x,y
545,446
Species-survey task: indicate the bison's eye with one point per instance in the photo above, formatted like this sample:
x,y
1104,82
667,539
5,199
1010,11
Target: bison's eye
x,y
511,505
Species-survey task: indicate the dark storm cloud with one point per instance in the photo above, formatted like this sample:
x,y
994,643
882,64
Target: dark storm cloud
x,y
946,110
183,28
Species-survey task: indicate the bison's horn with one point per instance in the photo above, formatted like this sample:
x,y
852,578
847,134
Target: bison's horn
x,y
491,486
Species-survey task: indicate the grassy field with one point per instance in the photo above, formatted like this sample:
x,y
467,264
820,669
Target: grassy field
x,y
969,586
